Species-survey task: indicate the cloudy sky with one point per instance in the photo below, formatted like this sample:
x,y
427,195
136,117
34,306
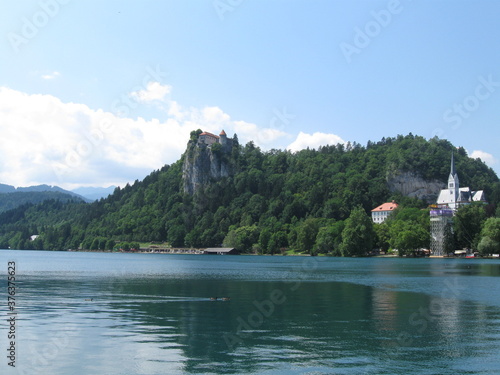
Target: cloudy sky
x,y
94,93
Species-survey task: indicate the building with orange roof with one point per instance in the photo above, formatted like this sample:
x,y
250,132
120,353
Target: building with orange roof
x,y
382,212
208,138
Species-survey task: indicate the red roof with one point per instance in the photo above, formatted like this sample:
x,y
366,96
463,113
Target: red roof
x,y
222,132
390,206
210,134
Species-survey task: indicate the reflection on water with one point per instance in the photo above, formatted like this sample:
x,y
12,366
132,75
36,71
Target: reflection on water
x,y
86,313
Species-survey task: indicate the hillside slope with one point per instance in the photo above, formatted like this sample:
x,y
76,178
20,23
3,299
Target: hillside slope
x,y
9,201
12,197
265,197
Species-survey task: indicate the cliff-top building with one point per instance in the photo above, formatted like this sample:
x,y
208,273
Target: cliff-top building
x,y
209,139
203,162
448,202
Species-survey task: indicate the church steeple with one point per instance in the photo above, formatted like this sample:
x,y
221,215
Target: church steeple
x,y
453,184
452,171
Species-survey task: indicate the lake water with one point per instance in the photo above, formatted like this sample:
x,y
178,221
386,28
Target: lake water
x,y
152,314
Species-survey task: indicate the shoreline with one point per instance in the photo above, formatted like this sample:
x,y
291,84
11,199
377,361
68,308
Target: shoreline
x,y
200,251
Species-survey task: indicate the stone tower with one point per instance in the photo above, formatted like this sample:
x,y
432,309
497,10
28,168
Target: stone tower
x,y
223,138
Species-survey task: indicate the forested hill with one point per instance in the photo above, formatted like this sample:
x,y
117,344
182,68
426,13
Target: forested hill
x,y
9,201
267,202
12,197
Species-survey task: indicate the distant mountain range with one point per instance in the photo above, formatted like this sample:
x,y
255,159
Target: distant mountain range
x,y
94,193
12,197
87,193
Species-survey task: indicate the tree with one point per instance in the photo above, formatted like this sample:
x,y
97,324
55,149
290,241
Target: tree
x,y
277,241
193,136
467,225
329,239
176,234
449,239
242,238
488,246
95,244
408,229
357,236
407,236
490,237
382,236
264,237
124,246
306,235
110,244
216,149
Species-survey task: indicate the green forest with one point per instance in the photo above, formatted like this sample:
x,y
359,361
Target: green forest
x,y
275,202
9,201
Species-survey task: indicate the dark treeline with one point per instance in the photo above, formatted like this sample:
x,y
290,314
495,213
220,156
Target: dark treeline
x,y
314,201
11,200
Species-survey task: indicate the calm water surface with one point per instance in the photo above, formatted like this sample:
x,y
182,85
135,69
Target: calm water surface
x,y
152,314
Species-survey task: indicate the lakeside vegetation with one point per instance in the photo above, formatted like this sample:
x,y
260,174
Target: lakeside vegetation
x,y
312,201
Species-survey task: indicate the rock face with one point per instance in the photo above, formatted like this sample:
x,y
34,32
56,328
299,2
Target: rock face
x,y
204,163
412,185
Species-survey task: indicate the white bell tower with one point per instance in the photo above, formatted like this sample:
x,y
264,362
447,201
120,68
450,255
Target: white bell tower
x,y
453,185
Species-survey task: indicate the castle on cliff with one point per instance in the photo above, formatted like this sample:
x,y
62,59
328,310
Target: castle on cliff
x,y
209,139
204,162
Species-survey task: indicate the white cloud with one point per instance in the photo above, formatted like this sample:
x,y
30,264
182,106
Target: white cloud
x,y
314,140
263,137
154,91
487,158
215,115
50,75
69,144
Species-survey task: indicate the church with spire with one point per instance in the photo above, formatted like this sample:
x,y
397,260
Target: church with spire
x,y
453,197
449,201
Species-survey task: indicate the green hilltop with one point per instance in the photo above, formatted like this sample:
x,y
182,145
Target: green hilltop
x,y
266,202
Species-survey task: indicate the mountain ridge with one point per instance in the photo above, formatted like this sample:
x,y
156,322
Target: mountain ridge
x,y
87,193
10,201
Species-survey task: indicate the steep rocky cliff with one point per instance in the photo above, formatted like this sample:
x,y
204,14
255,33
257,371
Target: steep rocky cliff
x,y
204,163
412,185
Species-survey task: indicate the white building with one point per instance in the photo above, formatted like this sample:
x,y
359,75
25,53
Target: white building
x,y
448,202
382,212
454,196
208,138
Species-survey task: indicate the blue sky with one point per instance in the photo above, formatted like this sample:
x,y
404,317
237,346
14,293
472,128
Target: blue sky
x,y
94,93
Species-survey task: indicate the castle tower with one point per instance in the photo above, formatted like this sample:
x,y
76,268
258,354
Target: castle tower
x,y
223,138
